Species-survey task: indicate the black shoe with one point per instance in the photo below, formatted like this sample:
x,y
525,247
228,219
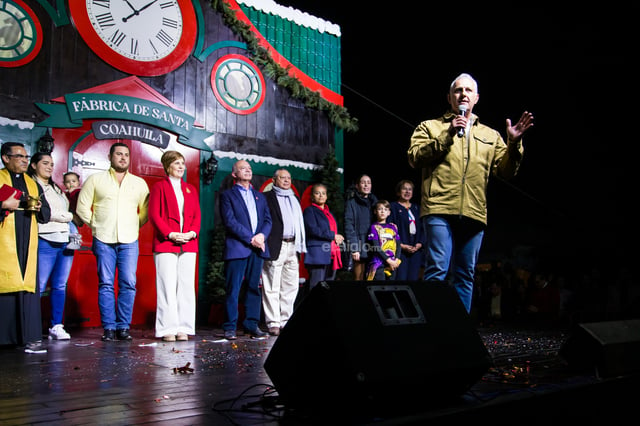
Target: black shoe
x,y
230,335
109,336
123,334
256,333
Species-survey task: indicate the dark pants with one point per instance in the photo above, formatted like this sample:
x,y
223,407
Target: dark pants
x,y
20,318
238,272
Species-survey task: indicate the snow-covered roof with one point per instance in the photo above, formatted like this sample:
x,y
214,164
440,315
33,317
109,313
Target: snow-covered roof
x,y
295,15
269,160
4,121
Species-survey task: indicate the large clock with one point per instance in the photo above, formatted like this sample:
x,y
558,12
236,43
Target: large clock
x,y
140,37
20,34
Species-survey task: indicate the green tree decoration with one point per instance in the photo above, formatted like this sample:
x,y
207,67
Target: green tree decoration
x,y
215,280
328,175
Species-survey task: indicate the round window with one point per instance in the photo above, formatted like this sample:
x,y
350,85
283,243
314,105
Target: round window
x,y
238,84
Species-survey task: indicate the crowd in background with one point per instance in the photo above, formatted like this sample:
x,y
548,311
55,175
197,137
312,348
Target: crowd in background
x,y
554,296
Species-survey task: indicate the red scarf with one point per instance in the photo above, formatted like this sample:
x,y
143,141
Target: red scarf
x,y
336,259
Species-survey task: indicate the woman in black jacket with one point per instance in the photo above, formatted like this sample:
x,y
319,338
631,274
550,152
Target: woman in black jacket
x,y
358,216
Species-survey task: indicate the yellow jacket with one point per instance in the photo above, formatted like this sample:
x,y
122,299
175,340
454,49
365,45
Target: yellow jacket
x,y
456,170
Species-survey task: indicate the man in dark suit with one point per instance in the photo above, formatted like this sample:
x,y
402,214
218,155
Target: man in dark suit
x,y
247,222
281,272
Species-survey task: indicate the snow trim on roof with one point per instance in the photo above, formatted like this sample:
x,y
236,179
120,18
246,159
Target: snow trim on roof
x,y
295,15
269,160
4,121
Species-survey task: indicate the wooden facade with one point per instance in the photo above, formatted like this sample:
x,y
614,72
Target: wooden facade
x,y
38,90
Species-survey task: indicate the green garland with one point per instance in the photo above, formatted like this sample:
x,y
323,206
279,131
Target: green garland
x,y
337,114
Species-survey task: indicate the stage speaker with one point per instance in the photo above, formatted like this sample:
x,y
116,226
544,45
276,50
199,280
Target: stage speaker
x,y
612,348
376,344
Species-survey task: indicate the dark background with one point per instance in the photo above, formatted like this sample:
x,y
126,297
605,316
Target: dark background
x,y
570,66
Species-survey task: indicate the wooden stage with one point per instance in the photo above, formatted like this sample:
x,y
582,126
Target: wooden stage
x,y
211,381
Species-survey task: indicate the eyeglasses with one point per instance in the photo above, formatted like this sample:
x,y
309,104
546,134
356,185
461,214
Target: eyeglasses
x,y
20,156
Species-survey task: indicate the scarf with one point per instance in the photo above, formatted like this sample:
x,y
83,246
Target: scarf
x,y
336,258
288,200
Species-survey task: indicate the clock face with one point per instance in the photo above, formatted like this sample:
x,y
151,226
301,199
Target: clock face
x,y
238,84
141,37
20,34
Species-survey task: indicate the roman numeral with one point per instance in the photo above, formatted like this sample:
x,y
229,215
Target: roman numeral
x,y
105,20
117,38
167,4
171,23
153,47
164,37
101,3
134,47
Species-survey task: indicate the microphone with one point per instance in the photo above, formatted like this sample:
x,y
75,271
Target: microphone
x,y
463,111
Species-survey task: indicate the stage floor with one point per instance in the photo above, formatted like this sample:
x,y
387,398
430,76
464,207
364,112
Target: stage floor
x,y
208,380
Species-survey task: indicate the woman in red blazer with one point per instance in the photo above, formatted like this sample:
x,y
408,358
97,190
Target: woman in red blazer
x,y
174,212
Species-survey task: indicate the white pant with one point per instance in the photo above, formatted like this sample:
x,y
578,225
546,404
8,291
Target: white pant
x,y
280,284
176,293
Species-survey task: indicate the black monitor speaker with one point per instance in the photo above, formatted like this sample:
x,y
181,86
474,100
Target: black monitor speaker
x,y
607,348
376,345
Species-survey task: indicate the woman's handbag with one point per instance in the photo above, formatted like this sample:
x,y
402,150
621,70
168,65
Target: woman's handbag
x,y
347,259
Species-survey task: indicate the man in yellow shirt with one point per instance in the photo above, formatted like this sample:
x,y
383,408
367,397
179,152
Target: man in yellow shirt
x,y
114,204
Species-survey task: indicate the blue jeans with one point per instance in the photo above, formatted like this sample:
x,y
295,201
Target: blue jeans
x,y
124,257
54,265
237,272
453,243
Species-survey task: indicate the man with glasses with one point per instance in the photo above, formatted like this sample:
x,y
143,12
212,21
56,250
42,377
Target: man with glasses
x,y
247,221
281,272
20,316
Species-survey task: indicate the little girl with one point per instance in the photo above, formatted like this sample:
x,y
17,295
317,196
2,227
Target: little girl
x,y
71,181
385,245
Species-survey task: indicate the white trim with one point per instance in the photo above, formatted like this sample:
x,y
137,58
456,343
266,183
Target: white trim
x,y
295,15
269,160
4,121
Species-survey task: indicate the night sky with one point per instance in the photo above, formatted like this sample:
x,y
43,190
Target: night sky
x,y
571,67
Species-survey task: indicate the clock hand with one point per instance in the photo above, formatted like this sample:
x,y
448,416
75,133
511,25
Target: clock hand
x,y
129,4
126,18
137,12
146,6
